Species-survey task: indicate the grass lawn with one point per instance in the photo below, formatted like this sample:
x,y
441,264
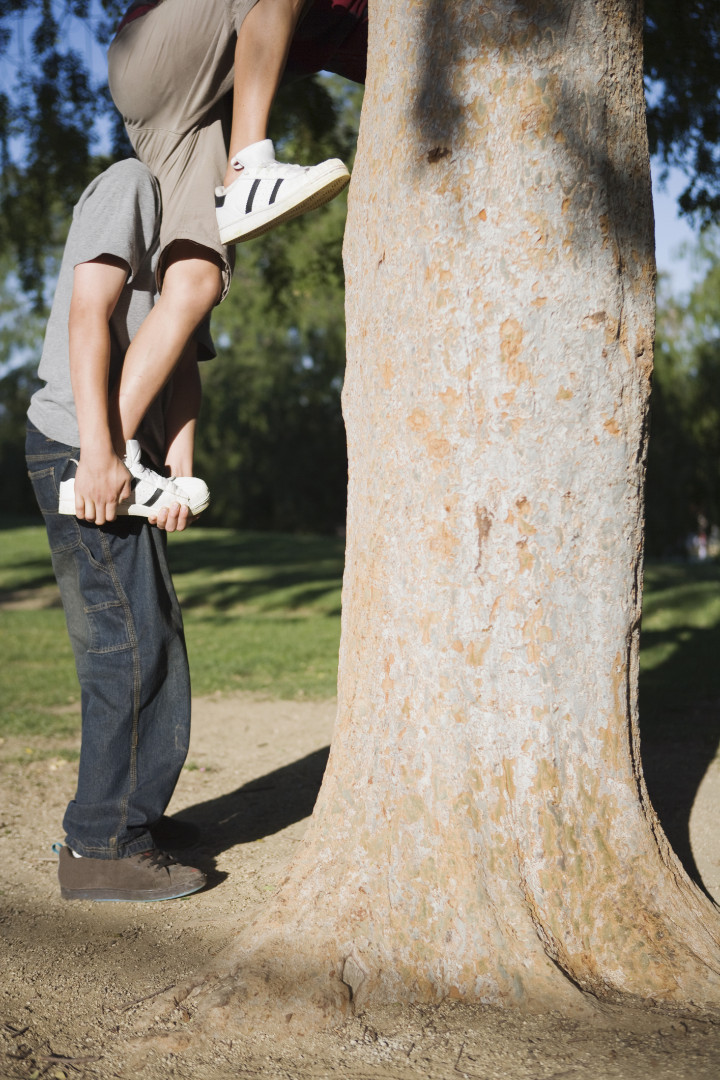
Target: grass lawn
x,y
680,648
262,613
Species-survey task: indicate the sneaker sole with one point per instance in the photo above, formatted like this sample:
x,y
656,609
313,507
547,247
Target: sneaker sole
x,y
136,510
67,506
132,895
325,188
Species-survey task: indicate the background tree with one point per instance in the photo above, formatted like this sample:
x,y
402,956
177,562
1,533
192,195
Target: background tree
x,y
483,832
684,454
54,106
682,65
55,115
272,443
21,334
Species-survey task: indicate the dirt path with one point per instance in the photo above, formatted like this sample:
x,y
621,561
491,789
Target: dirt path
x,y
72,974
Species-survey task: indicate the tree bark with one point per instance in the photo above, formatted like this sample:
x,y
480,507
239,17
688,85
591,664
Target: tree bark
x,y
483,830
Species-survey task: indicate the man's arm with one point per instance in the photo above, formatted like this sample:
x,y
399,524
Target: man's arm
x,y
102,479
181,415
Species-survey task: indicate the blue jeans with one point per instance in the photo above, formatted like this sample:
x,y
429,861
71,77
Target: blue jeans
x,y
126,631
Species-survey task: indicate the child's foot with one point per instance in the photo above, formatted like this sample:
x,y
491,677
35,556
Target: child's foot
x,y
151,491
268,192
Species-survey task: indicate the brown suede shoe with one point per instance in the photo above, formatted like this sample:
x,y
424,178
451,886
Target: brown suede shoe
x,y
151,875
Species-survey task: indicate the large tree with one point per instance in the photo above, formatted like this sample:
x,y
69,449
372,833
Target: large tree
x,y
483,831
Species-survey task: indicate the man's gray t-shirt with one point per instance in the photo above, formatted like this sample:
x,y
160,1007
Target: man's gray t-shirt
x,y
118,214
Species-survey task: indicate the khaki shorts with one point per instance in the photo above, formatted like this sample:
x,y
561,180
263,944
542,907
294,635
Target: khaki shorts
x,y
171,77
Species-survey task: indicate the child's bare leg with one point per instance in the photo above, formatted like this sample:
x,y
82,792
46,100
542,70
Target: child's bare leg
x,y
191,287
258,192
260,54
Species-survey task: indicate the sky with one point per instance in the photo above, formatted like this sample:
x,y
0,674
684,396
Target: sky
x,y
671,231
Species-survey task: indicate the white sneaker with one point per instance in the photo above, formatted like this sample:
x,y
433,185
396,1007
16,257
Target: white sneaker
x,y
268,192
151,491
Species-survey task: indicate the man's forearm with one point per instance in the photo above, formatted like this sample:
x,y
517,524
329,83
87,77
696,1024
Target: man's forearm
x,y
89,369
101,480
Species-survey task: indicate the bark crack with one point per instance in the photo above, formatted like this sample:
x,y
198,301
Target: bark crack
x,y
353,975
483,521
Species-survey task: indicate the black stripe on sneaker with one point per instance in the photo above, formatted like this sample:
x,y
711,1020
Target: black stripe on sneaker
x,y
251,196
154,497
275,191
219,201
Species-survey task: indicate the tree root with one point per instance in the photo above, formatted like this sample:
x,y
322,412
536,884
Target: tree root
x,y
262,991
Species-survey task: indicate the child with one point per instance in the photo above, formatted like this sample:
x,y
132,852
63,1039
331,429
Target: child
x,y
121,610
194,81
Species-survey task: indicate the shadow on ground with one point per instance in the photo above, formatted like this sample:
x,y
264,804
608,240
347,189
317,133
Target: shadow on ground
x,y
259,808
279,571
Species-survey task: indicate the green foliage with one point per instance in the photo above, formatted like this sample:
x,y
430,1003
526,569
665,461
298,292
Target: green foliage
x,y
683,478
271,439
262,614
21,332
54,109
48,128
682,64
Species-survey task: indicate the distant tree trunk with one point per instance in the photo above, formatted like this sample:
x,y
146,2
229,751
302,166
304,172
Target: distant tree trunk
x,y
483,831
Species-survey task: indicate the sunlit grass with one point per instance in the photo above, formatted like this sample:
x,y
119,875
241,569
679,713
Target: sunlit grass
x,y
680,644
262,614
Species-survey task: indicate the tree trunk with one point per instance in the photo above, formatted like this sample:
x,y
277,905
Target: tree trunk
x,y
483,831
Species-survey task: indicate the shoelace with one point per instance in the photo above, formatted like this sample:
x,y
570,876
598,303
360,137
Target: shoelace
x,y
158,858
271,167
154,478
142,474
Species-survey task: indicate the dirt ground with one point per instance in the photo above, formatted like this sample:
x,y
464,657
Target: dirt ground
x,y
74,975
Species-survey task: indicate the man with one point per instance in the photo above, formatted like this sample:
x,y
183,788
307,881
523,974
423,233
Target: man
x,y
108,544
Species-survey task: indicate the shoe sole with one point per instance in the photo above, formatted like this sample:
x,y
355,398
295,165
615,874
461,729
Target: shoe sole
x,y
133,895
66,506
323,190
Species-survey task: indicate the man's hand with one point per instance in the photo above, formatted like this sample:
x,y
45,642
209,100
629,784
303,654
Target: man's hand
x,y
172,519
101,482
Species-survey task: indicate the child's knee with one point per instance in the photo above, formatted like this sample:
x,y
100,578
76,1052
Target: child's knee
x,y
193,277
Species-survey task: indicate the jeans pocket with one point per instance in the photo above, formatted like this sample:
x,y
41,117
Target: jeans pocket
x,y
45,488
109,630
62,529
107,609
